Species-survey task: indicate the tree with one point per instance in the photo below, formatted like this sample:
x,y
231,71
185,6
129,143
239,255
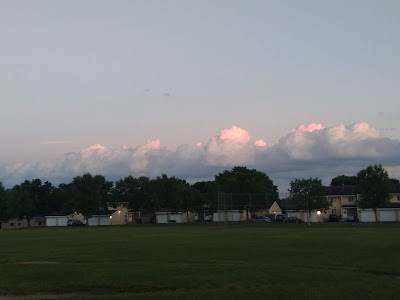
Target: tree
x,y
33,199
3,204
309,194
133,191
244,181
344,180
374,186
207,198
90,193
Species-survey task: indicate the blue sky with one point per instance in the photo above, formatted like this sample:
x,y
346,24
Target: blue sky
x,y
122,73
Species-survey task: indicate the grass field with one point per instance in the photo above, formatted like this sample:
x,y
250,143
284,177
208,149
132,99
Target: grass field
x,y
204,261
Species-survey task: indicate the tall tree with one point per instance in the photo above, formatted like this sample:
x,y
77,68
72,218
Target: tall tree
x,y
374,186
344,180
19,204
90,194
3,204
244,181
133,191
309,194
207,200
37,202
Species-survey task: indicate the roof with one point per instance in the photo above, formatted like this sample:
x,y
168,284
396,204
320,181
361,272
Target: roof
x,y
108,212
340,190
351,190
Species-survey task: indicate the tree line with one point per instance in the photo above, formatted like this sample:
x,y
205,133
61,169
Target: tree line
x,y
89,194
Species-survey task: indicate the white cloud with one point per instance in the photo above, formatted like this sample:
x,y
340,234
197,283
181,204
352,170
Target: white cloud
x,y
308,151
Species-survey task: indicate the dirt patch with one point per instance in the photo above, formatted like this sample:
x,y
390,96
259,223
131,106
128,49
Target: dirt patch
x,y
37,262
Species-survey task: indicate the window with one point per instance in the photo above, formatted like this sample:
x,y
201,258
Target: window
x,y
334,210
334,199
352,199
398,198
11,224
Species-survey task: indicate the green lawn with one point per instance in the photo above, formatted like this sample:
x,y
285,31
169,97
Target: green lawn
x,y
204,261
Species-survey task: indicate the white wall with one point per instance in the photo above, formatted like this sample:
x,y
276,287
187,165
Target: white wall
x,y
367,215
52,221
99,220
230,216
387,215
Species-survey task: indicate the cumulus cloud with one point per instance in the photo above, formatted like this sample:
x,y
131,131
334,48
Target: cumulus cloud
x,y
310,150
260,143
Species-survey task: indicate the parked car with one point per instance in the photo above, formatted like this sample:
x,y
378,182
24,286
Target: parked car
x,y
333,218
208,218
351,218
76,223
261,219
280,218
294,220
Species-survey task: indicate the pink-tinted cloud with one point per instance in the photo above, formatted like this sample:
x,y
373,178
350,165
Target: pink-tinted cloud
x,y
309,128
95,147
309,151
260,143
235,135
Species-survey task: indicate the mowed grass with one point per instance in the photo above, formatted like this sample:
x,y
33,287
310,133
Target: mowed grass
x,y
203,261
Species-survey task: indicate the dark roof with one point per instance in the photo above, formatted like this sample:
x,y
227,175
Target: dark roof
x,y
351,190
340,190
108,212
57,214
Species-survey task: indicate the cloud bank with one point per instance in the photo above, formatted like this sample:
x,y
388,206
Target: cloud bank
x,y
310,150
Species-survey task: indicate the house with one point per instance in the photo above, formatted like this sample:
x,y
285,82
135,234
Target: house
x,y
165,216
57,220
109,217
61,219
344,204
273,210
314,216
23,223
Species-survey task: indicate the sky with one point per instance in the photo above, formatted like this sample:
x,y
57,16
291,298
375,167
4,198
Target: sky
x,y
295,89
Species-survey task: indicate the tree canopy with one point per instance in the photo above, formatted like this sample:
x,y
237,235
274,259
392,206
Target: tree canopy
x,y
374,187
344,180
308,194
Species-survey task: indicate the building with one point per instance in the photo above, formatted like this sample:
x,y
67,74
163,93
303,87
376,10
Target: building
x,y
164,216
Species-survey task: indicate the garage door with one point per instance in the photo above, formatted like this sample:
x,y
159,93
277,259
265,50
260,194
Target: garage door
x,y
367,216
162,218
387,216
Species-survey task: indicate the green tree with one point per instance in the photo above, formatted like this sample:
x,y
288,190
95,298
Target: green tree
x,y
244,181
133,191
344,180
3,204
374,187
207,200
19,204
308,194
37,202
90,194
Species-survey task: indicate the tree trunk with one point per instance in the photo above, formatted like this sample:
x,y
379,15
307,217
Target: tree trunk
x,y
187,215
376,215
29,223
